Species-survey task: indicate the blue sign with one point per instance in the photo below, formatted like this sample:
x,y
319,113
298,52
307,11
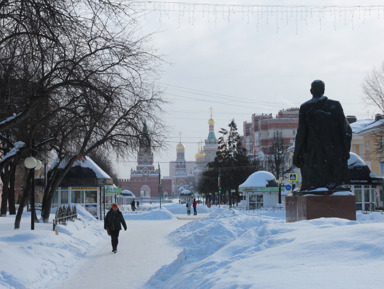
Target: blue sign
x,y
292,177
288,187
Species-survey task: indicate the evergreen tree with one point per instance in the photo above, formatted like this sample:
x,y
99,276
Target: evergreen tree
x,y
231,165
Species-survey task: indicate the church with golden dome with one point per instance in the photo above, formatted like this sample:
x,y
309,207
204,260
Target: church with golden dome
x,y
186,174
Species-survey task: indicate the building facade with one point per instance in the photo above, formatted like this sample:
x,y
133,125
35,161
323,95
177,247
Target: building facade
x,y
367,142
262,133
145,181
182,177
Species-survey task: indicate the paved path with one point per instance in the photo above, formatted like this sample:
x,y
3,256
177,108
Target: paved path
x,y
143,249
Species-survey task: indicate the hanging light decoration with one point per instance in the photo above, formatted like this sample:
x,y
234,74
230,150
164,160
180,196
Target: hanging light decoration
x,y
339,14
30,162
39,164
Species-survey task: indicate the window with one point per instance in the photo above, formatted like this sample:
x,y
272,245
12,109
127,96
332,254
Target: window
x,y
77,197
91,196
255,201
64,197
55,201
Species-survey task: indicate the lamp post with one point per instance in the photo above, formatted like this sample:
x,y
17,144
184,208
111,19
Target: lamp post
x,y
280,181
219,184
32,164
160,186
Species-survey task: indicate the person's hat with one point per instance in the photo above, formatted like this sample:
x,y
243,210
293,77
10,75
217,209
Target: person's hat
x,y
115,205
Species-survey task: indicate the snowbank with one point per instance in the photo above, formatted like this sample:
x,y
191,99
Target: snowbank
x,y
31,259
226,249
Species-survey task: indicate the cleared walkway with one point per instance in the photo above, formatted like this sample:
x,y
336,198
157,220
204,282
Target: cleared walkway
x,y
143,249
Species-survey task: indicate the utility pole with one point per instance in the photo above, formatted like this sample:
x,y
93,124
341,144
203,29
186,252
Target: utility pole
x,y
219,184
160,188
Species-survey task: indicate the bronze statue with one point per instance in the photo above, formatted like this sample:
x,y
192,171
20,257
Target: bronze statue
x,y
323,142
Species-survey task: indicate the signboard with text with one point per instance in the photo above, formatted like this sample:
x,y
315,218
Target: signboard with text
x,y
113,190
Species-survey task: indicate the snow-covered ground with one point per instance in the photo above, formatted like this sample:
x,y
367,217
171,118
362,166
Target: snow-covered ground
x,y
220,248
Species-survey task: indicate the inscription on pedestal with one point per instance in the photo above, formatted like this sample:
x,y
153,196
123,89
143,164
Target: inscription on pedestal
x,y
300,208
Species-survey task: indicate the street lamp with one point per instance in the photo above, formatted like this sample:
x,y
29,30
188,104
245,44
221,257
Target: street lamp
x,y
33,164
280,181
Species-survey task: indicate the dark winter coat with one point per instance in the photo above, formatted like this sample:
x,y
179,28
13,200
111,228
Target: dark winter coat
x,y
323,142
113,221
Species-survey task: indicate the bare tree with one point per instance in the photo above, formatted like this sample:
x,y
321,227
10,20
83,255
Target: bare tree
x,y
90,76
278,160
373,88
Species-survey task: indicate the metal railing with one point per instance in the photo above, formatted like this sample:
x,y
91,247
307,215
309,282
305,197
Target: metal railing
x,y
63,214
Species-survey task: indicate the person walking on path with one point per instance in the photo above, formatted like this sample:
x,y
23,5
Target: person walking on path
x,y
112,223
188,205
133,208
194,207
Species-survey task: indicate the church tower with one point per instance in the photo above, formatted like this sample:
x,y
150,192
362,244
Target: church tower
x,y
210,147
145,179
181,166
180,178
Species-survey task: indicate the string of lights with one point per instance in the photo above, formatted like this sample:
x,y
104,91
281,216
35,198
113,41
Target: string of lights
x,y
255,13
197,7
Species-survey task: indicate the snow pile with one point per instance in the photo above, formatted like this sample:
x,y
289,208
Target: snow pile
x,y
31,259
244,251
226,249
178,209
156,214
355,161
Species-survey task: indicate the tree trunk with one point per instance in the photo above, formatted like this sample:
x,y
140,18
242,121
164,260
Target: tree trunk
x,y
24,197
4,195
53,183
11,194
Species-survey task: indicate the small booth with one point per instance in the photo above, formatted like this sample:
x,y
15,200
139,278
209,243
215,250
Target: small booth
x,y
186,195
260,190
367,188
125,197
84,184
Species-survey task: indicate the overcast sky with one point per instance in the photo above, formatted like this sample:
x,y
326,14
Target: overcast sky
x,y
243,59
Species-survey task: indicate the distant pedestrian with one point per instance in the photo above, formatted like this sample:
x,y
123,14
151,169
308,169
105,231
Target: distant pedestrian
x,y
137,203
188,205
194,207
133,208
112,223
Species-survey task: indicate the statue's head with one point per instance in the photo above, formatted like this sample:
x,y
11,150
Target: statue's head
x,y
317,88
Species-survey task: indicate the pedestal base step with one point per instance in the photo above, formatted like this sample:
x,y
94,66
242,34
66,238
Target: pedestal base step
x,y
300,208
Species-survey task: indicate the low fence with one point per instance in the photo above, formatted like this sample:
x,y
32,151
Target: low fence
x,y
63,214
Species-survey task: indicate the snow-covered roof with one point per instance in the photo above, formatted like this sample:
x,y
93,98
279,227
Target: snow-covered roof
x,y
259,179
128,193
365,124
87,162
186,192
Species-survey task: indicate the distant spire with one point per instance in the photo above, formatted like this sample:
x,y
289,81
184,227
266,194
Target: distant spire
x,y
144,137
180,146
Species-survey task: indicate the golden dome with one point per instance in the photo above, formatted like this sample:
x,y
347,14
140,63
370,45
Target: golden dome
x,y
200,154
180,146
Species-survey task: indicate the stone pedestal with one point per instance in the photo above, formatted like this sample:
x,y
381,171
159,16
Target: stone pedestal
x,y
300,208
